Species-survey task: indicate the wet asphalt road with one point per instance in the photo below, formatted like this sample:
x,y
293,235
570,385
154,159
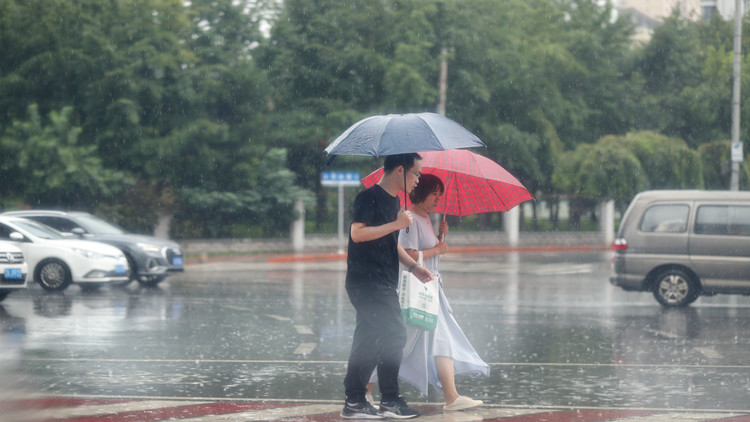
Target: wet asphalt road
x,y
553,330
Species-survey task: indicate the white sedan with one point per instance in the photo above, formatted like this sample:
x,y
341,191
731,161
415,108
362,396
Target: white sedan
x,y
56,261
13,269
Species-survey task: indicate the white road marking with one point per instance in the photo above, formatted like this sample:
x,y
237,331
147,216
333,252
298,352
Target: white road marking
x,y
270,414
535,269
343,362
238,308
660,333
680,417
303,329
278,317
562,269
305,348
709,353
479,414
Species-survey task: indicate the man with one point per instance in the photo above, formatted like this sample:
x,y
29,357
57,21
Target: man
x,y
371,281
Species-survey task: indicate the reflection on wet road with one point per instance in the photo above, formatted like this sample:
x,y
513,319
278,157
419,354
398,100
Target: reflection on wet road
x,y
555,333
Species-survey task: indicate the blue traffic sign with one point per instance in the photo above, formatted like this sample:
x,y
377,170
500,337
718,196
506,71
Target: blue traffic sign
x,y
339,178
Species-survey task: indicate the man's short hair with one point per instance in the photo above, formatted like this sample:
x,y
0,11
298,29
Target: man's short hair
x,y
406,160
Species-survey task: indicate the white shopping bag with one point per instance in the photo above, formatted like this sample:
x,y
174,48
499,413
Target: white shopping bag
x,y
419,301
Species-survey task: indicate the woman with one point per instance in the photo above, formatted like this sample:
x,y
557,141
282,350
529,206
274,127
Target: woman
x,y
434,357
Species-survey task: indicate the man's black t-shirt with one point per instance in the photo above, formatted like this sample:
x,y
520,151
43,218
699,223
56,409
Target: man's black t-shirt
x,y
374,261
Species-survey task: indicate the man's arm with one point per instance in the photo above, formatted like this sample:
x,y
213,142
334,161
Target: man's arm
x,y
363,233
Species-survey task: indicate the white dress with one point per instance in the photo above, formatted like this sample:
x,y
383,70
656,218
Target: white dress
x,y
418,364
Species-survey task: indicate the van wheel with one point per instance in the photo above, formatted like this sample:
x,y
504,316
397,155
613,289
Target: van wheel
x,y
675,288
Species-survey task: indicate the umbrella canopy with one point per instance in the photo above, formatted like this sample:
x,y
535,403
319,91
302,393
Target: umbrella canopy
x,y
402,133
473,184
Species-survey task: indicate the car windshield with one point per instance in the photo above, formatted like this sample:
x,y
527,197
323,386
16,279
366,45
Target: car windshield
x,y
37,229
98,226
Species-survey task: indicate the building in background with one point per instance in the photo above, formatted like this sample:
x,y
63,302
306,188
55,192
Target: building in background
x,y
648,14
725,8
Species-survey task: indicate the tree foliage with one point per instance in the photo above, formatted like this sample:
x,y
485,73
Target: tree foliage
x,y
267,198
176,105
618,167
160,91
46,161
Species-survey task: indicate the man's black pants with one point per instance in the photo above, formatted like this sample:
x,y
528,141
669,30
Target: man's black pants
x,y
379,339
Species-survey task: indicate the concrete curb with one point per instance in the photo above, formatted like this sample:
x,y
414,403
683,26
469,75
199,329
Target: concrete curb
x,y
558,248
300,257
329,242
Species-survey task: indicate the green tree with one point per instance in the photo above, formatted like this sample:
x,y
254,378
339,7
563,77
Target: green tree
x,y
552,70
618,167
325,61
601,171
45,164
669,163
716,164
687,71
267,203
165,90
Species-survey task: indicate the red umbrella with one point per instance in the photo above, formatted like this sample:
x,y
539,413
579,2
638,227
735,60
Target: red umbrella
x,y
473,184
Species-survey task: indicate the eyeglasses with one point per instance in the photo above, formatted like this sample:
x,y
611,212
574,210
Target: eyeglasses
x,y
416,174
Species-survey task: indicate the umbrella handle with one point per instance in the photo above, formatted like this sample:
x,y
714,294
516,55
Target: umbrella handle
x,y
442,235
405,208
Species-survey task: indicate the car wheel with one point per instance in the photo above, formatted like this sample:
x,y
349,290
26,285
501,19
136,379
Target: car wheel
x,y
675,288
151,281
53,275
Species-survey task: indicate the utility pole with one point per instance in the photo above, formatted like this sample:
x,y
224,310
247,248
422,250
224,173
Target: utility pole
x,y
736,148
443,80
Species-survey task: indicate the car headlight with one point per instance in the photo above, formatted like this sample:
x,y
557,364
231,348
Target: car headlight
x,y
148,247
88,253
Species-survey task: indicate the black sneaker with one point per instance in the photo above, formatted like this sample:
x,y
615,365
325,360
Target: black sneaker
x,y
362,410
398,409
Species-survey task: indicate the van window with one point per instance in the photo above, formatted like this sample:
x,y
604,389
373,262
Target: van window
x,y
670,218
723,220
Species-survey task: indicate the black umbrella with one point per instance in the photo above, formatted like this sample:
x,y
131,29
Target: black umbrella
x,y
393,134
402,133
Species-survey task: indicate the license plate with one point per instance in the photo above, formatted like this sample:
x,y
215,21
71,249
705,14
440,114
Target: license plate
x,y
177,261
120,269
13,274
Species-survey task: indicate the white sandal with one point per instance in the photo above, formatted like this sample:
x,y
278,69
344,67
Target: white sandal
x,y
462,403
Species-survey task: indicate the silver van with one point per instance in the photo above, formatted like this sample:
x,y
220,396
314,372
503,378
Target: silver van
x,y
680,244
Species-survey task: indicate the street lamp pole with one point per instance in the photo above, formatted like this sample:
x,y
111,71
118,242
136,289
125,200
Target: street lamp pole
x,y
736,148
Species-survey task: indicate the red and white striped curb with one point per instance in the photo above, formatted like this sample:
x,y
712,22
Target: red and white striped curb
x,y
62,409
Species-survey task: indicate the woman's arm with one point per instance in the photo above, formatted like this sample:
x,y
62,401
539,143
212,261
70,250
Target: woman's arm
x,y
422,273
414,254
439,249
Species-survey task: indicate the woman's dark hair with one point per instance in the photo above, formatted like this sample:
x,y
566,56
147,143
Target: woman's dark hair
x,y
405,160
428,183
